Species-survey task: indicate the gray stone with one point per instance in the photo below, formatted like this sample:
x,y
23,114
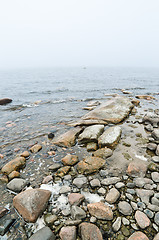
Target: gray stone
x,y
125,208
153,207
125,221
129,196
91,133
155,227
144,194
110,137
157,150
155,134
149,213
50,219
155,176
130,191
141,205
155,201
152,146
80,182
119,185
72,222
93,219
117,224
43,233
112,196
110,181
66,212
54,166
65,189
156,195
5,223
155,159
17,184
134,205
68,233
103,173
101,191
95,183
130,184
140,182
156,218
77,212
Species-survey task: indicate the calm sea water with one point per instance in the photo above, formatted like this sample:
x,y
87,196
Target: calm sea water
x,y
44,97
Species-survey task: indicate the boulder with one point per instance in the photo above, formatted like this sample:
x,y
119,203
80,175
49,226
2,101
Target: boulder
x,y
90,165
14,174
5,101
100,211
44,233
110,137
13,165
89,231
68,139
31,203
91,134
146,97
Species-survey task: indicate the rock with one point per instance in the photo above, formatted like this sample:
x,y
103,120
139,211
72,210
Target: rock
x,y
149,213
135,102
100,211
43,233
72,222
93,219
138,236
3,179
144,194
91,134
117,224
111,111
77,212
13,174
152,119
80,182
152,146
25,154
155,134
3,211
149,128
156,218
110,181
155,201
153,208
17,184
157,150
90,165
146,97
89,231
75,198
103,153
65,189
142,220
47,179
36,148
155,176
13,165
153,167
112,196
110,137
125,208
125,221
137,169
50,219
156,237
141,182
51,135
68,139
5,223
62,171
31,203
68,233
93,103
119,185
101,191
92,146
54,166
70,160
95,183
5,101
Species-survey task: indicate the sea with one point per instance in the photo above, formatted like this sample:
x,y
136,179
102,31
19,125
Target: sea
x,y
43,98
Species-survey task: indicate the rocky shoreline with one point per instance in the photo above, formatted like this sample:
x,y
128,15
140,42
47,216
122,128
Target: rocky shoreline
x,y
97,180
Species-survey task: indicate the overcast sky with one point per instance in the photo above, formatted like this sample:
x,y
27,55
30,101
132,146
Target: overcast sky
x,y
47,33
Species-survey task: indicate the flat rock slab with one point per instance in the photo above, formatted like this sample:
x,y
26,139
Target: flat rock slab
x,y
90,231
31,203
142,220
91,134
138,236
110,137
68,139
90,165
103,153
111,111
43,233
13,165
100,211
17,184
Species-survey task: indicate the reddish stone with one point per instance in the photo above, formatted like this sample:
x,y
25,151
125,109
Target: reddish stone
x,y
89,231
68,233
142,220
138,236
137,169
15,164
70,160
75,198
100,211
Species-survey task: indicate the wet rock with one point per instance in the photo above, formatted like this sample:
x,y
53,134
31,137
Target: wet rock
x,y
146,97
125,208
75,198
137,169
13,174
3,179
92,146
47,179
144,194
117,224
100,211
91,134
77,212
141,182
135,102
110,181
25,154
51,135
155,134
80,182
103,153
89,231
3,211
5,101
138,236
43,233
5,223
17,184
112,196
142,220
156,218
110,137
36,148
62,171
70,160
31,203
95,183
54,166
149,128
155,176
90,165
125,221
68,139
13,165
68,233
50,219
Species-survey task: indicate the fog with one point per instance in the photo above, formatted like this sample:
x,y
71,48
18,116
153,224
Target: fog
x,y
49,33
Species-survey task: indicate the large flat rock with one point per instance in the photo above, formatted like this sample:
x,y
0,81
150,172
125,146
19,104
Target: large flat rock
x,y
111,111
110,137
91,133
90,165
